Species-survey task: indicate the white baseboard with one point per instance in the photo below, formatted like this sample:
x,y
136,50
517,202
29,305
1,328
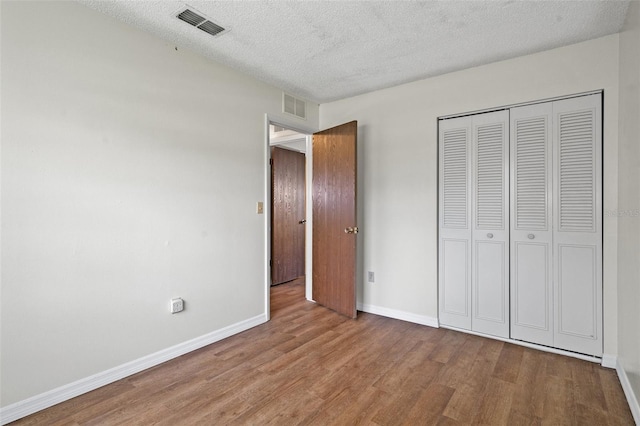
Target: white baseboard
x,y
609,361
36,403
542,348
632,398
401,315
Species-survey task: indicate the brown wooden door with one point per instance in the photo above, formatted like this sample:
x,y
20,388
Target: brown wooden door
x,y
334,218
287,215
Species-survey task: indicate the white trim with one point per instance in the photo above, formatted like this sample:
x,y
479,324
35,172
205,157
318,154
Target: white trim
x,y
401,315
308,237
539,101
530,345
609,361
47,399
278,140
632,398
296,126
267,217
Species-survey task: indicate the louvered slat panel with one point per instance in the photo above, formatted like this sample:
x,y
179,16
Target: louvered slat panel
x,y
576,171
490,176
455,178
531,174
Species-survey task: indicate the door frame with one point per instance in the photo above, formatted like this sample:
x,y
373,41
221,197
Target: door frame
x,y
308,262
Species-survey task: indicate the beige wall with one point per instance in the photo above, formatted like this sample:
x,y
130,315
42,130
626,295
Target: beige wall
x,y
398,164
629,200
130,175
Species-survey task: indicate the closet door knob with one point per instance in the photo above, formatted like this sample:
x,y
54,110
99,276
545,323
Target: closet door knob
x,y
489,235
531,236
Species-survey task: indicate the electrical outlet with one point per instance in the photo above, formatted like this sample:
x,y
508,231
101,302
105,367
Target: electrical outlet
x,y
177,305
371,276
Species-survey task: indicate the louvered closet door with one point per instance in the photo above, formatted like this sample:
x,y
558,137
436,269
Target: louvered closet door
x,y
531,225
490,237
577,173
454,255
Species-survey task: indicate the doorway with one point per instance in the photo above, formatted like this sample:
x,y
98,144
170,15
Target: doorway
x,y
331,202
288,209
288,248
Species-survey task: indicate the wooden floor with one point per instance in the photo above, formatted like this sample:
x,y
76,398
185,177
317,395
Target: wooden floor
x,y
311,366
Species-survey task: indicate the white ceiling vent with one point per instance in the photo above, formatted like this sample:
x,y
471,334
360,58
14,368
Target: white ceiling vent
x,y
294,106
200,21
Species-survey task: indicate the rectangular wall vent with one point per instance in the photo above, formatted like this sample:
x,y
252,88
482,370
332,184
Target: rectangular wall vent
x,y
294,106
200,21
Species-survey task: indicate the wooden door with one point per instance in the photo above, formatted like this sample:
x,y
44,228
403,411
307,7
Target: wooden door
x,y
287,215
334,218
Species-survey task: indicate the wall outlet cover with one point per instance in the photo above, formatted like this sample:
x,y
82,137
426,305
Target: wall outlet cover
x,y
177,305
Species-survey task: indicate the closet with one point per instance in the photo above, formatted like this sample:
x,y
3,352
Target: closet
x,y
520,223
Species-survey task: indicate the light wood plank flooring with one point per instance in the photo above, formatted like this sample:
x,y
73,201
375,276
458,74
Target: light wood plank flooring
x,y
311,366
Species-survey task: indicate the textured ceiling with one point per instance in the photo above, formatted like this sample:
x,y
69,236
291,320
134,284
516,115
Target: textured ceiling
x,y
328,50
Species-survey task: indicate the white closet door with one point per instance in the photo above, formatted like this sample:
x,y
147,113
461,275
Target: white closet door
x,y
490,237
577,176
454,260
531,226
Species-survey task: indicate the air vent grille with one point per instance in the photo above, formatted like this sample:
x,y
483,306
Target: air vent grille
x,y
191,17
294,106
211,28
199,21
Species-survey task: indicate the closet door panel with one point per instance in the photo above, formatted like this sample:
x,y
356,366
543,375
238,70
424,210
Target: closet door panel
x,y
454,251
490,216
576,291
532,316
454,273
531,225
490,289
577,173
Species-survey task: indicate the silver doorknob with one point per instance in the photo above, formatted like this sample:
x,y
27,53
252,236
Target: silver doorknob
x,y
489,235
351,230
531,236
302,221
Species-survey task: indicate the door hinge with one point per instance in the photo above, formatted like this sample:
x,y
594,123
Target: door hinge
x,y
270,263
271,161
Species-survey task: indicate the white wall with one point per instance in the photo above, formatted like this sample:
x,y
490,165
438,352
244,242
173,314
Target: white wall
x,y
629,201
398,164
130,175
